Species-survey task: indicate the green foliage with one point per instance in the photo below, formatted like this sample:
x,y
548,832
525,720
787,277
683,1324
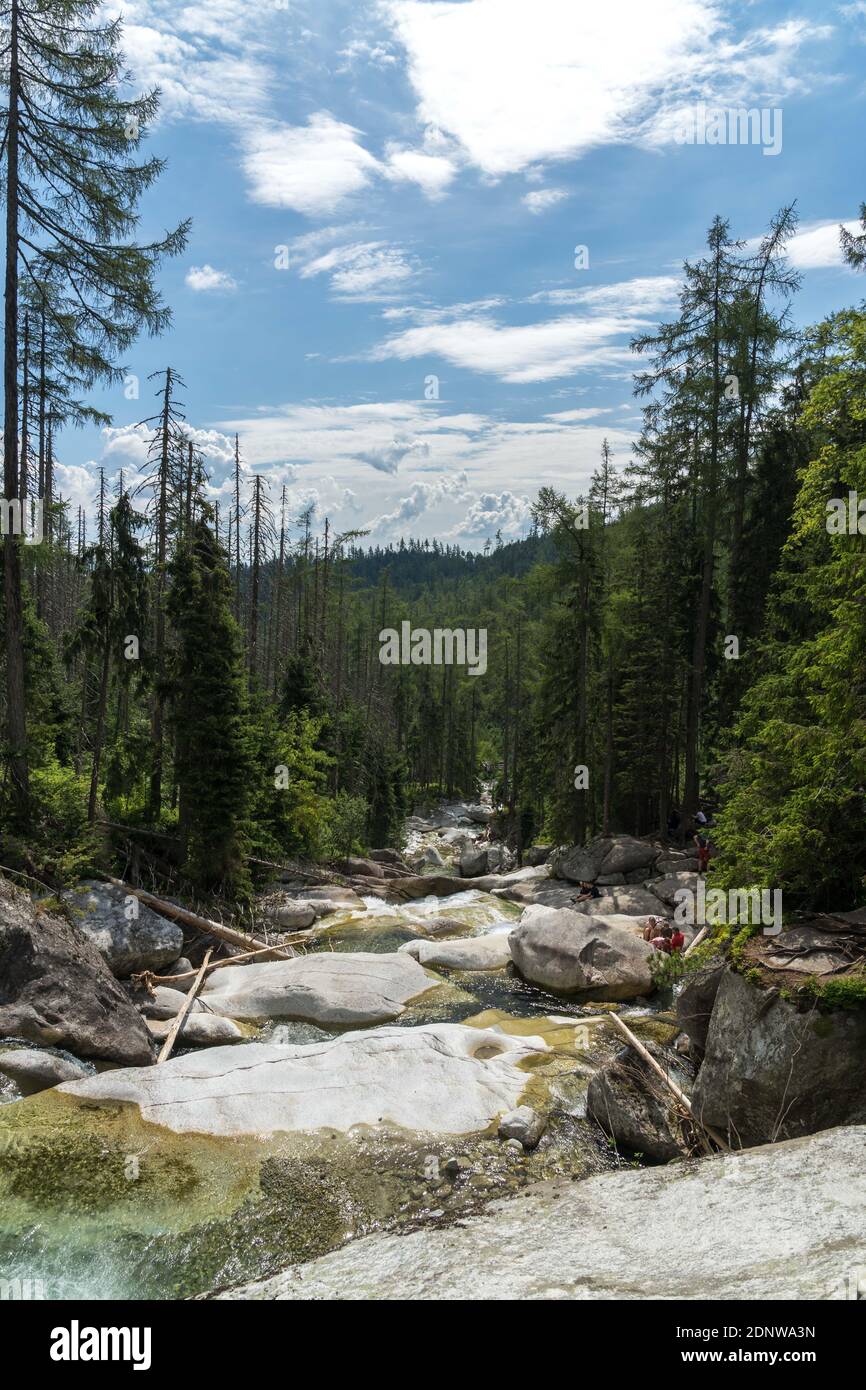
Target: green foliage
x,y
288,772
344,824
213,764
795,795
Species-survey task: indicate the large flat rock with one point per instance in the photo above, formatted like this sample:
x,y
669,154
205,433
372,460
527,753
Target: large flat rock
x,y
491,952
786,1221
330,988
444,1078
629,901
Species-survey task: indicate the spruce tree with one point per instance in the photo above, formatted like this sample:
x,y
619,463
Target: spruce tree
x,y
71,184
207,686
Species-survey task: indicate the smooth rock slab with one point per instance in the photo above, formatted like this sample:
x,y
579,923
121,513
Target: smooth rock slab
x,y
631,902
444,1078
330,988
473,953
787,1221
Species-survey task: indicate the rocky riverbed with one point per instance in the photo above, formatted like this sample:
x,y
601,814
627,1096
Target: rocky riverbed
x,y
439,1037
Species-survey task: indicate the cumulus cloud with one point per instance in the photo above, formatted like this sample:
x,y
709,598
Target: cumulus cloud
x,y
311,169
512,93
419,500
492,512
205,277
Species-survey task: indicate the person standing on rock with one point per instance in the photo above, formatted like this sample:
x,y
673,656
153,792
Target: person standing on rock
x,y
678,941
703,851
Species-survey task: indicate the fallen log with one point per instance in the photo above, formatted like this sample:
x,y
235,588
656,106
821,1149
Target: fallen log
x,y
147,978
672,1086
191,919
184,1011
696,942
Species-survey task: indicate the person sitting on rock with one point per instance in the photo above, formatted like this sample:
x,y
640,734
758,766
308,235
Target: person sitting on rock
x,y
678,941
662,942
587,890
651,929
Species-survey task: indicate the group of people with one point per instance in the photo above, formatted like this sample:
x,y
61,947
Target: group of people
x,y
663,936
657,931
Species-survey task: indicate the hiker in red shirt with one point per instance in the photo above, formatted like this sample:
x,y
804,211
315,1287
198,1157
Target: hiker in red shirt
x,y
703,852
678,941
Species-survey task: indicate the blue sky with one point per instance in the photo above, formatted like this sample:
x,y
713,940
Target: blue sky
x,y
430,168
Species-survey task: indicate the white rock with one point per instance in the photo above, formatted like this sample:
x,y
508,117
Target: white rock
x,y
666,888
472,953
332,987
443,1078
630,901
524,1124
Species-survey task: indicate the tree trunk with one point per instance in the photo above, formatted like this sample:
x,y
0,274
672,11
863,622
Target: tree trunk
x,y
16,721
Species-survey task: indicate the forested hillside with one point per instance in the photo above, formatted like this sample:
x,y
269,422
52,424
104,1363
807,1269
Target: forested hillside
x,y
687,629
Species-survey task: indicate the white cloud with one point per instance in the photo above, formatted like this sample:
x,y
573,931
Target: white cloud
x,y
311,168
816,245
513,89
362,271
421,498
461,475
205,277
646,294
521,353
578,416
492,512
388,458
432,172
540,199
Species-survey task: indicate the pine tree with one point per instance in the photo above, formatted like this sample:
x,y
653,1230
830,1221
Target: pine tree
x,y
71,186
207,688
